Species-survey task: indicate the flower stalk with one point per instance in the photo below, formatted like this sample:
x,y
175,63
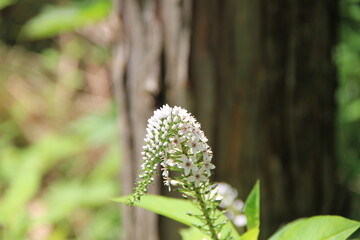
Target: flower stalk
x,y
175,141
209,220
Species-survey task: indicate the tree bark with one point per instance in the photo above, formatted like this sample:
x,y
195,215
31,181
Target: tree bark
x,y
259,77
136,76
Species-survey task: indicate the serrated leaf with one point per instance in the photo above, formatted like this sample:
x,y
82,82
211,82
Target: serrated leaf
x,y
318,228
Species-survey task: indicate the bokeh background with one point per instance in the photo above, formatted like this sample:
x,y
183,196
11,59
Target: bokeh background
x,y
59,141
59,151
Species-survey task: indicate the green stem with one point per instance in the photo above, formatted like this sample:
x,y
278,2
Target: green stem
x,y
205,211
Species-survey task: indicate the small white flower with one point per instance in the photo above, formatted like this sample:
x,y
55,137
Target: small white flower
x,y
175,142
175,110
195,146
168,119
187,165
167,182
175,182
184,128
207,166
170,162
229,194
240,220
165,172
201,136
197,178
207,155
239,205
184,116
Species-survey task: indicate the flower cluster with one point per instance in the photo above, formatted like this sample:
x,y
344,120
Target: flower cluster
x,y
175,141
230,202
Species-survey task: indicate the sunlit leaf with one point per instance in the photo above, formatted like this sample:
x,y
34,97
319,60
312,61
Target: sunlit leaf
x,y
252,207
64,197
352,111
317,228
252,213
58,19
175,209
192,234
6,3
251,234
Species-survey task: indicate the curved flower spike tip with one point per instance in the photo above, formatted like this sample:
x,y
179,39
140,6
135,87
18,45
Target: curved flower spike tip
x,y
175,141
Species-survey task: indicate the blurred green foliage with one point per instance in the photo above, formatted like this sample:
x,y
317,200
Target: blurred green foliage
x,y
5,3
73,16
59,155
54,185
348,96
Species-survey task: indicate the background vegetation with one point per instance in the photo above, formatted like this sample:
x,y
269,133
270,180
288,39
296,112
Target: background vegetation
x,y
59,155
348,96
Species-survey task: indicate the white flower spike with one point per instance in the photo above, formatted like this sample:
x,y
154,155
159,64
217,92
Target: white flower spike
x,y
175,141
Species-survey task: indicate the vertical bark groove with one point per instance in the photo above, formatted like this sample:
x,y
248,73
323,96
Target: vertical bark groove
x,y
257,74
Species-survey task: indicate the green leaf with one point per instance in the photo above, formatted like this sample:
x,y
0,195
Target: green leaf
x,y
66,196
352,111
251,234
6,3
287,226
318,228
58,19
252,207
177,210
192,234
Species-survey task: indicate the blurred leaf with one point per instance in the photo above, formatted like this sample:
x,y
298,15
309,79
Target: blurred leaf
x,y
58,19
50,58
352,111
64,197
98,129
317,228
102,224
33,163
192,234
251,234
6,3
53,176
109,164
23,186
10,161
252,207
175,209
285,228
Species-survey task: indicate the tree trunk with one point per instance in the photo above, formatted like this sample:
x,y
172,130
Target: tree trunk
x,y
274,111
136,76
259,77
